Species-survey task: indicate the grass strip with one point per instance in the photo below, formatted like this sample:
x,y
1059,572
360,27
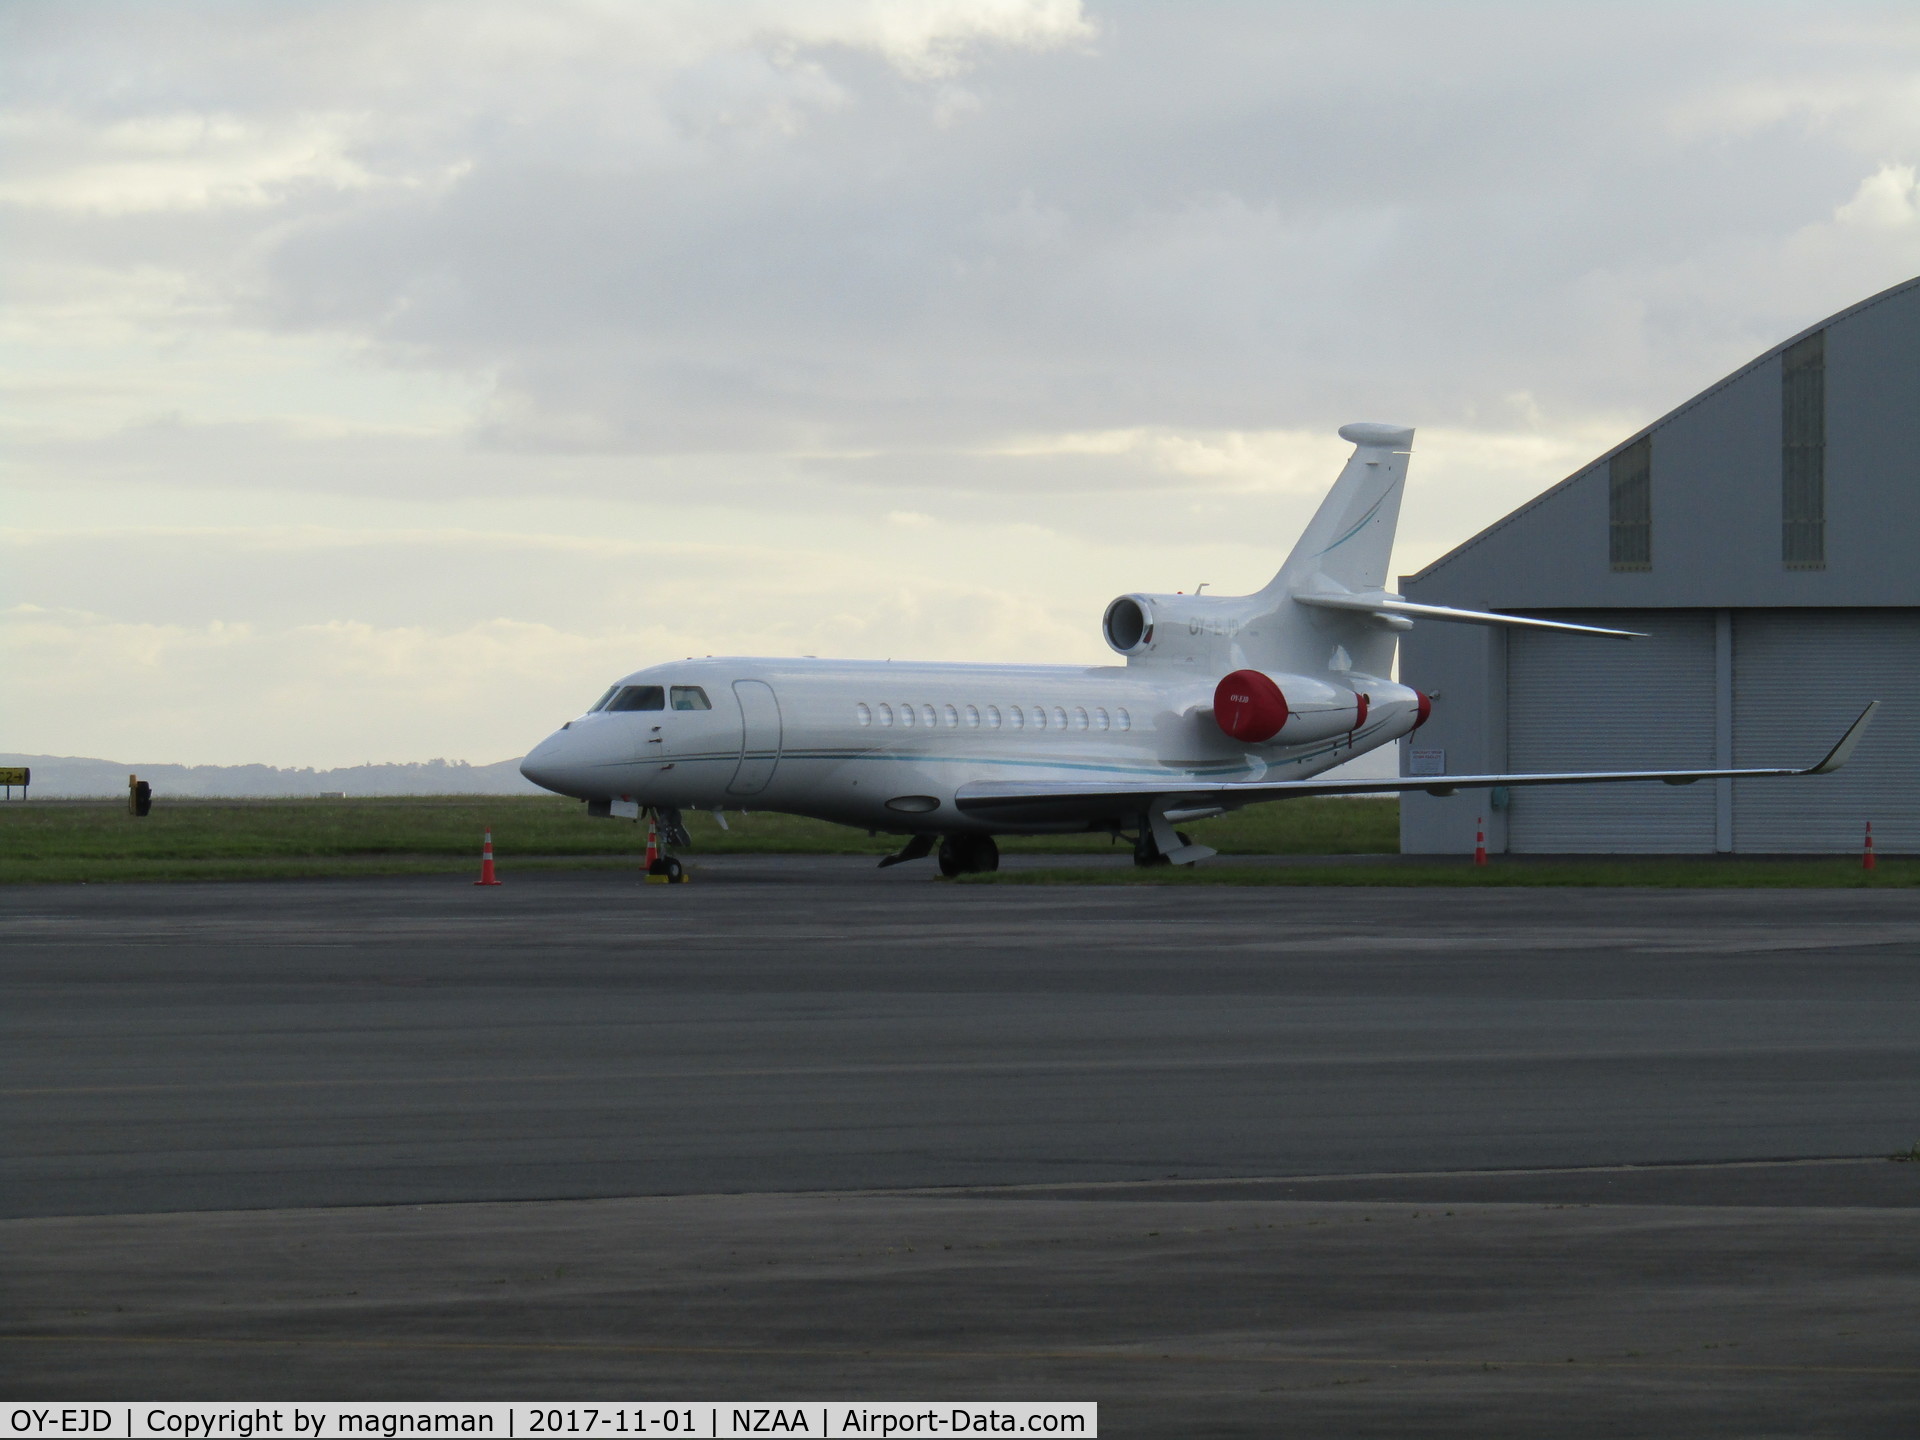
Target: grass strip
x,y
77,842
1686,874
294,867
54,841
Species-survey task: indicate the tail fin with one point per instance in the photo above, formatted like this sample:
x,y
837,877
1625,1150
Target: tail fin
x,y
1347,544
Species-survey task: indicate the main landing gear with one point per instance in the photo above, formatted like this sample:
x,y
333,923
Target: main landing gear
x,y
968,855
1156,842
959,854
918,847
1147,854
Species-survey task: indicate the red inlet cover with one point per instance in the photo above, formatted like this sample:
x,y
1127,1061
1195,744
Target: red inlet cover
x,y
1249,706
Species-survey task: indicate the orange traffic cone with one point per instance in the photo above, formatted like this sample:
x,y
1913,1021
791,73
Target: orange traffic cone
x,y
660,868
487,877
1866,859
1479,840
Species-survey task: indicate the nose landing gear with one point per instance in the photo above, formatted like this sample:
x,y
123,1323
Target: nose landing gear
x,y
659,867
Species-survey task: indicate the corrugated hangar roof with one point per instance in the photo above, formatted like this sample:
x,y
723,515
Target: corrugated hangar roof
x,y
1678,412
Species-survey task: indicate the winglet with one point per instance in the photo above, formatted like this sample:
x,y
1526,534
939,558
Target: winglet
x,y
1843,752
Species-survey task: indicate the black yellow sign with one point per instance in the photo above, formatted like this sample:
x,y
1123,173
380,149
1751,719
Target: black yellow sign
x,y
15,775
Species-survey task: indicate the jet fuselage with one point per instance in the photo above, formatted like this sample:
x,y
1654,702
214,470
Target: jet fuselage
x,y
885,745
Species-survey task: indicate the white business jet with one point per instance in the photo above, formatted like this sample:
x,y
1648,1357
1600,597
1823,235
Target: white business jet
x,y
1223,701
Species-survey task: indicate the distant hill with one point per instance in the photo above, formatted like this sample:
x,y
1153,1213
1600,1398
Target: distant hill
x,y
68,776
63,776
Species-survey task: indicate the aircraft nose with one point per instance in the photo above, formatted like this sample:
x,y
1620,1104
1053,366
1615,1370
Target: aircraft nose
x,y
543,766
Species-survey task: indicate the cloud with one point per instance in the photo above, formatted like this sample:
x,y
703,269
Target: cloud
x,y
770,229
1887,199
104,686
384,646
1183,225
182,161
340,692
447,338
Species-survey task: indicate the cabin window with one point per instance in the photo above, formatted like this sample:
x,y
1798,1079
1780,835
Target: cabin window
x,y
993,717
1016,717
1122,720
886,714
1803,454
928,716
1079,718
906,716
690,697
1039,717
1100,720
601,703
1630,506
863,713
638,697
953,717
973,717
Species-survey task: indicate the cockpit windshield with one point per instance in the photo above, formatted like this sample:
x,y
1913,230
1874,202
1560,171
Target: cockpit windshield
x,y
651,697
638,697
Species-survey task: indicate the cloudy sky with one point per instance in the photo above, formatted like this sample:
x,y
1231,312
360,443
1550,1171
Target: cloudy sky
x,y
382,378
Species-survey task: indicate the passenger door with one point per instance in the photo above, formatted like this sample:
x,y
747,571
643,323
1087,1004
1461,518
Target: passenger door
x,y
760,737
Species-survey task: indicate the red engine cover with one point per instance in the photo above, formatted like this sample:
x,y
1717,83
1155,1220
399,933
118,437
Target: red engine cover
x,y
1426,709
1249,706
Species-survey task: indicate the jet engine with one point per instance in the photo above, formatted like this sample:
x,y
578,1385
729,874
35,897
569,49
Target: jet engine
x,y
1255,707
1128,624
1185,628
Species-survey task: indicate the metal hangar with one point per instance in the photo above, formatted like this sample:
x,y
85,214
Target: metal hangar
x,y
1766,537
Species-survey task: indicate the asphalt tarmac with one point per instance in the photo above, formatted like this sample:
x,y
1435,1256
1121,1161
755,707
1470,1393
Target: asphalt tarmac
x,y
819,1025
1193,1150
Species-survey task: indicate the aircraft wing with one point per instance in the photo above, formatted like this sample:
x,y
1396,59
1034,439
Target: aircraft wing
x,y
1123,800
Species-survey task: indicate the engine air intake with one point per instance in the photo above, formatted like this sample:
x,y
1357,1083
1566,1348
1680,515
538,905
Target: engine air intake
x,y
1128,625
1249,706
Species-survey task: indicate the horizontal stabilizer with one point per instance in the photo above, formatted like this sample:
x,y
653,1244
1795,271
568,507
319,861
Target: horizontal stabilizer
x,y
1382,604
1120,800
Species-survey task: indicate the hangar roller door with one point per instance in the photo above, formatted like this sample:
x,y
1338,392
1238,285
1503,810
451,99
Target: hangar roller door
x,y
1799,678
1589,704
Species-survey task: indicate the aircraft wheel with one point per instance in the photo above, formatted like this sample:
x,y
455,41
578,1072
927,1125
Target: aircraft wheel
x,y
952,856
968,855
1145,853
668,866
